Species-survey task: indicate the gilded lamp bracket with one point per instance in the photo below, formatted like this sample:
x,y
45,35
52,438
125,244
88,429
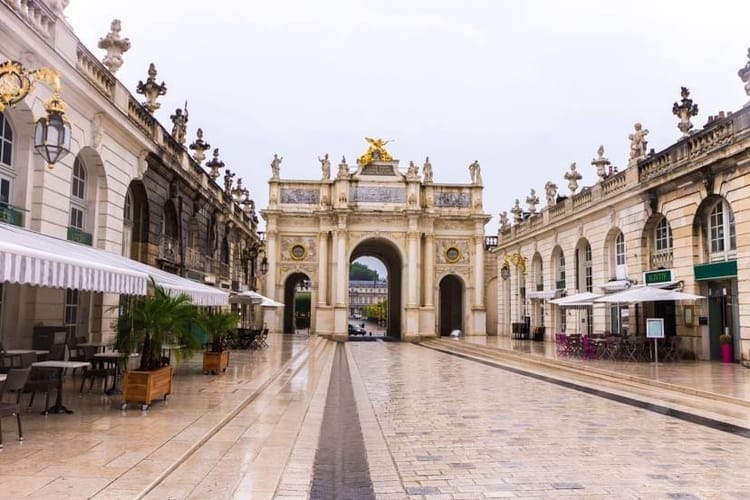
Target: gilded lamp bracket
x,y
52,133
515,259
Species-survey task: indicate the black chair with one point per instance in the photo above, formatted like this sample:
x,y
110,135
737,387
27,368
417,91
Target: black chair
x,y
100,368
14,383
42,379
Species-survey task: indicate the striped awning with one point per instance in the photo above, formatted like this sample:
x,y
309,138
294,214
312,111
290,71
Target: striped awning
x,y
30,258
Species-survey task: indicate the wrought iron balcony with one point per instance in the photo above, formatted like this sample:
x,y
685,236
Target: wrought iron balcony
x,y
11,215
75,234
169,249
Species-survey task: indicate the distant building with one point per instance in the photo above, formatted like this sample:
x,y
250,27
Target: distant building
x,y
365,293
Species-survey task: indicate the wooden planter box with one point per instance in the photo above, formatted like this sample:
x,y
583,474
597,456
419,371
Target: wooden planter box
x,y
143,387
215,361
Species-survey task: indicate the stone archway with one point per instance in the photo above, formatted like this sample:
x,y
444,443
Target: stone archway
x,y
419,229
451,304
293,320
389,254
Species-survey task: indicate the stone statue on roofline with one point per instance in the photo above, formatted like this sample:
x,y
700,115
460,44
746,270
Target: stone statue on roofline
x,y
601,163
638,143
276,166
572,176
550,193
517,212
744,74
325,167
115,47
504,223
532,200
427,171
179,124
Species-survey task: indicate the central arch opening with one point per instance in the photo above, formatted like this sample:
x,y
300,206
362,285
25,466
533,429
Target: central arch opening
x,y
375,301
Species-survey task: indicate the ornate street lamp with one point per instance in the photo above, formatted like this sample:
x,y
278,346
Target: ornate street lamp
x,y
264,265
505,272
52,133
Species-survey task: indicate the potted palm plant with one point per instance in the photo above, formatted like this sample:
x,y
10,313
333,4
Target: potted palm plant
x,y
725,341
149,323
219,326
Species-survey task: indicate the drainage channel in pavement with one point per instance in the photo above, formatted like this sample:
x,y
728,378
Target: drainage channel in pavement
x,y
341,469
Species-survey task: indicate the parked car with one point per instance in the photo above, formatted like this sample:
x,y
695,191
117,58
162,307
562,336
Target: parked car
x,y
356,330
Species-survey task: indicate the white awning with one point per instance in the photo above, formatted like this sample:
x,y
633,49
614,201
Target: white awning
x,y
646,294
616,285
541,294
251,297
30,258
584,299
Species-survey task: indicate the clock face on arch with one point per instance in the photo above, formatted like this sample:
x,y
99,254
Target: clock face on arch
x,y
452,254
298,252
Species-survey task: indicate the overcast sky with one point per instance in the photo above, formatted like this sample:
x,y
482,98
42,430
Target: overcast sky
x,y
525,88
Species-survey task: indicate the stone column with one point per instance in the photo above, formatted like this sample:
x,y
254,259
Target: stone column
x,y
429,270
479,271
342,267
413,263
323,269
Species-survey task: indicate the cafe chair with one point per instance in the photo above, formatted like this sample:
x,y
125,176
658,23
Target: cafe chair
x,y
14,383
100,369
41,379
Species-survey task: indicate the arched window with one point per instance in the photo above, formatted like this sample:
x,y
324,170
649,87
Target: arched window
x,y
6,161
618,256
662,256
721,234
539,273
588,276
127,225
78,203
560,281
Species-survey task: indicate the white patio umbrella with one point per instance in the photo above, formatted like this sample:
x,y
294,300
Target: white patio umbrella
x,y
583,299
645,293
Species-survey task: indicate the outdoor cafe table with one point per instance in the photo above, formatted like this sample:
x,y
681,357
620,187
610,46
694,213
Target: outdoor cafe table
x,y
60,365
17,353
117,358
98,345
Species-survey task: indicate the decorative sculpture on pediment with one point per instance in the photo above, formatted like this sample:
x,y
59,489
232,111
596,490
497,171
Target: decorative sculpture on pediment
x,y
572,176
517,212
504,223
343,172
276,166
427,171
413,171
532,200
151,90
228,181
744,73
638,143
215,164
601,163
684,110
325,167
375,152
550,193
200,147
475,171
179,124
115,47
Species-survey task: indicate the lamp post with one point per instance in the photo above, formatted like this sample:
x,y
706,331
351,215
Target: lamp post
x,y
52,132
505,275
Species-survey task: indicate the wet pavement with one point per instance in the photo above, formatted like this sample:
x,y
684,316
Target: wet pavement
x,y
456,419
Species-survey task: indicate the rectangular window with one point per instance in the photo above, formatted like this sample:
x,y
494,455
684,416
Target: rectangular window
x,y
588,274
71,312
4,190
717,230
77,219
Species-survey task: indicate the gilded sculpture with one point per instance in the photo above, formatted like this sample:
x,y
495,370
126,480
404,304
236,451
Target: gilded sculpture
x,y
375,152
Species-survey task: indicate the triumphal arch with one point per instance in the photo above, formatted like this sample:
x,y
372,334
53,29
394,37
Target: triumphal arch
x,y
430,237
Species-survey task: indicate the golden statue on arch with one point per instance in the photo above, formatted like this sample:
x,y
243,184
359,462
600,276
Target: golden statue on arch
x,y
375,152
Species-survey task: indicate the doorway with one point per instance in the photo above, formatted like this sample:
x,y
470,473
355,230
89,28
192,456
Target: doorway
x,y
451,304
385,296
297,303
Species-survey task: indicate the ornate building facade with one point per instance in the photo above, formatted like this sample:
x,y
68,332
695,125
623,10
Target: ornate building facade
x,y
429,236
676,218
129,186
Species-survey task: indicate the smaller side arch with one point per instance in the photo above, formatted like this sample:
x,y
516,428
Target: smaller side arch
x,y
451,304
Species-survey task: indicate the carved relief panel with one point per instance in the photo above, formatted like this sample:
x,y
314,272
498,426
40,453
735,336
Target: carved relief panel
x,y
298,249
